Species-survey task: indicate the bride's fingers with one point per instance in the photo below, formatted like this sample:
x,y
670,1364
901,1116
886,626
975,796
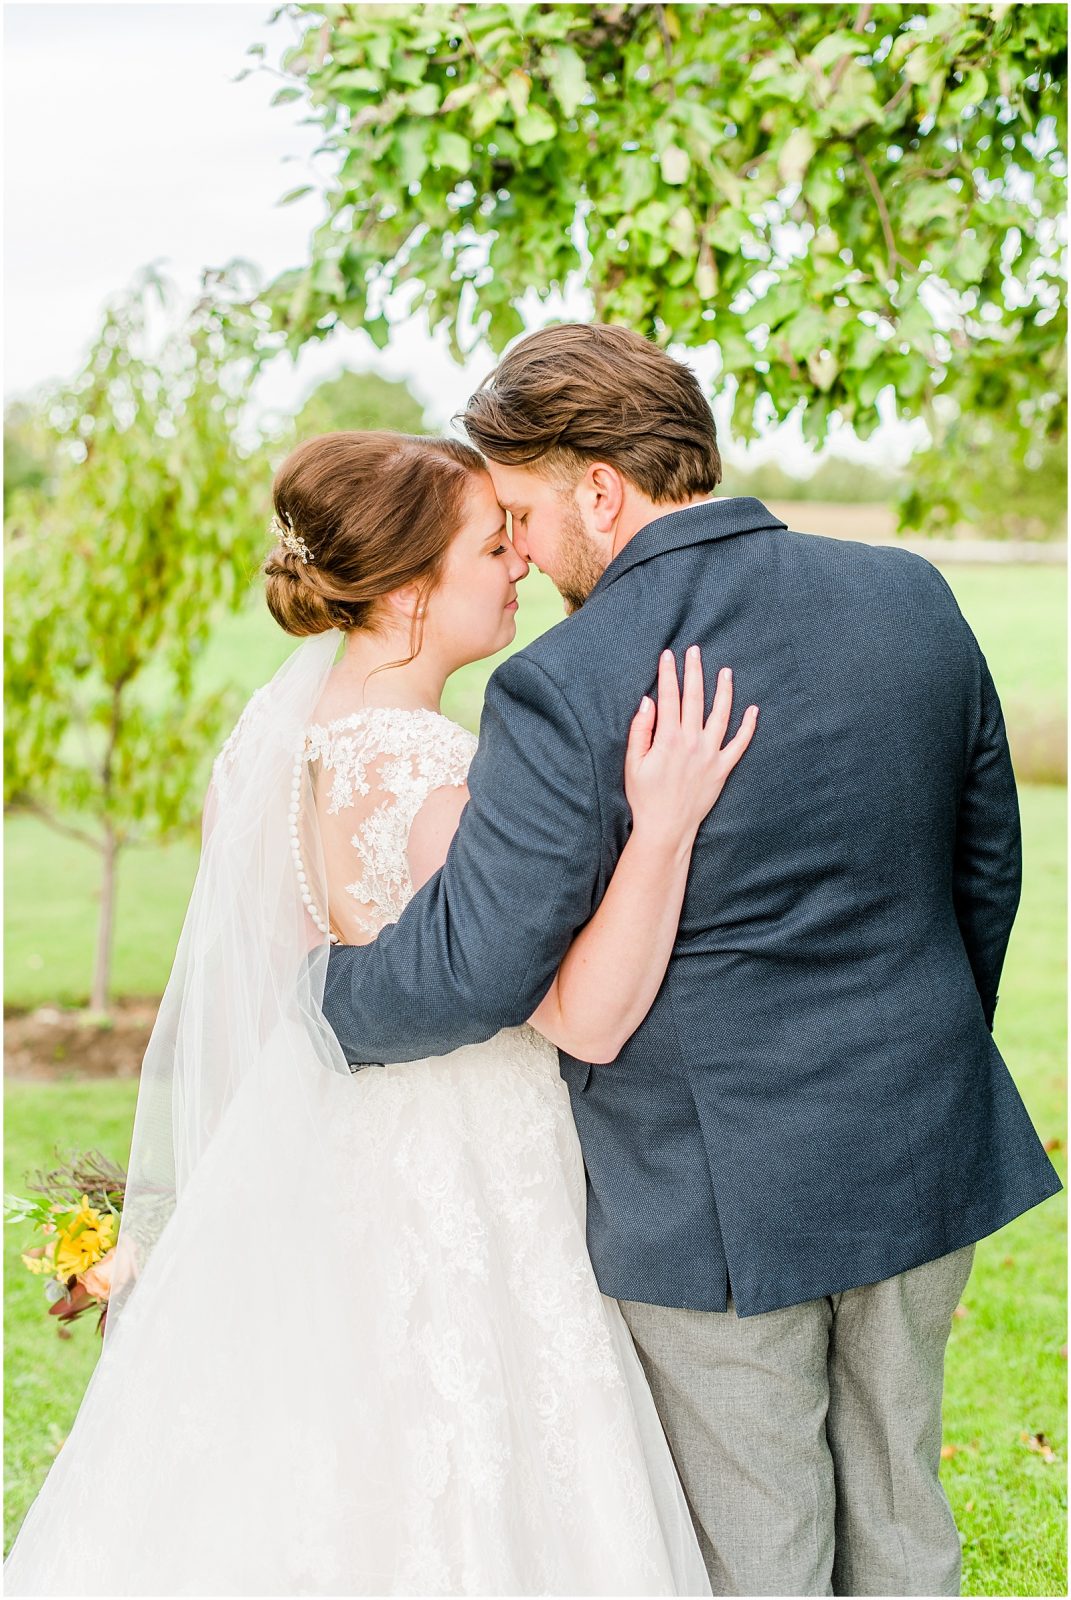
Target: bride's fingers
x,y
669,695
720,712
742,737
641,732
693,700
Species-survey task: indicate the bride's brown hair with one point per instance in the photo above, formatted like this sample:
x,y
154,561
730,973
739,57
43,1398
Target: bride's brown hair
x,y
375,511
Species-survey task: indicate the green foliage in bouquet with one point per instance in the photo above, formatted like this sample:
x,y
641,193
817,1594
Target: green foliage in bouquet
x,y
841,198
120,562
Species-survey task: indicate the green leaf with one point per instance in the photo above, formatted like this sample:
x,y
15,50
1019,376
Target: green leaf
x,y
568,78
410,152
968,264
676,165
295,194
806,331
462,96
795,155
706,280
423,102
680,232
651,218
835,45
924,202
487,111
408,69
822,368
637,179
518,90
378,330
359,79
453,150
536,126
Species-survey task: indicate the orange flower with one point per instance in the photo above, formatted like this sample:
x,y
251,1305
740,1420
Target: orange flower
x,y
98,1279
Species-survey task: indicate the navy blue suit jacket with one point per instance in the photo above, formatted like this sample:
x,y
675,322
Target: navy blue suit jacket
x,y
815,1099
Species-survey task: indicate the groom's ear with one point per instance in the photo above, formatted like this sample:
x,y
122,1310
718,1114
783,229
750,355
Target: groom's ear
x,y
602,494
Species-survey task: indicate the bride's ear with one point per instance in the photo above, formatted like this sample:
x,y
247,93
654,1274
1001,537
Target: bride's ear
x,y
406,604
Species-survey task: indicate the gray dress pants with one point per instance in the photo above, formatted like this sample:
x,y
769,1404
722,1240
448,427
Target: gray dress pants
x,y
808,1440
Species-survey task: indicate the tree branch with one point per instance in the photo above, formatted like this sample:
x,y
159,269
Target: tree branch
x,y
858,26
883,213
35,809
663,28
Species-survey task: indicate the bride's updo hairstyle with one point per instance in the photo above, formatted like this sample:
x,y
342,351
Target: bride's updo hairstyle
x,y
374,512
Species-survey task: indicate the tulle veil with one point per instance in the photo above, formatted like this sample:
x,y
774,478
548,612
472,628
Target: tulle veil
x,y
250,963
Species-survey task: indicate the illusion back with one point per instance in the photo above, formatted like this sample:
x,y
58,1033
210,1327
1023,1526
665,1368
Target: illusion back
x,y
372,771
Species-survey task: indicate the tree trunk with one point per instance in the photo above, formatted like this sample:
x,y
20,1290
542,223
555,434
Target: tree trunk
x,y
103,970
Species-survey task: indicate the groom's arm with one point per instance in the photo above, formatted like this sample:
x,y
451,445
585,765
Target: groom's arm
x,y
989,862
477,948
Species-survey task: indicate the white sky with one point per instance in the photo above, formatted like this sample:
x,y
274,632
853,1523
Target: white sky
x,y
127,141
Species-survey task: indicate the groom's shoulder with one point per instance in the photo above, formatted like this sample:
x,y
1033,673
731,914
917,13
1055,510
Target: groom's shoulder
x,y
555,653
884,566
550,679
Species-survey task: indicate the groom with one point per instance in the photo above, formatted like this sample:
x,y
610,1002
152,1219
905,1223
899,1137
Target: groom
x,y
791,1160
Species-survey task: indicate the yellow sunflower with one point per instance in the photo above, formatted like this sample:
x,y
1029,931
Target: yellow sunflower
x,y
84,1236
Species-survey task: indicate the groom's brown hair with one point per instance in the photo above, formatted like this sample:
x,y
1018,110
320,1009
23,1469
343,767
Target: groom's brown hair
x,y
583,392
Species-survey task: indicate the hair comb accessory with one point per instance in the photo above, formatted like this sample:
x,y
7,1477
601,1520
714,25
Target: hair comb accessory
x,y
283,529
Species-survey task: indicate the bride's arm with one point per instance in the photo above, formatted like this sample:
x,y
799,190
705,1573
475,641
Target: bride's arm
x,y
674,773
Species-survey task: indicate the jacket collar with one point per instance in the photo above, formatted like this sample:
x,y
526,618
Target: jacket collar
x,y
698,524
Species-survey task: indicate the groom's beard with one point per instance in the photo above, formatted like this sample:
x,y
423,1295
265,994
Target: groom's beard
x,y
579,568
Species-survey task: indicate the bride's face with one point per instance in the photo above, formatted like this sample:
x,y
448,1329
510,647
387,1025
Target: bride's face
x,y
472,611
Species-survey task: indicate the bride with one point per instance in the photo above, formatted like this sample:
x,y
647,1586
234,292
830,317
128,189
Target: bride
x,y
354,1343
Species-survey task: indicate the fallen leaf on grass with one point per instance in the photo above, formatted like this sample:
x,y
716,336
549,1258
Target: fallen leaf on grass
x,y
1053,1144
1041,1446
960,1311
948,1451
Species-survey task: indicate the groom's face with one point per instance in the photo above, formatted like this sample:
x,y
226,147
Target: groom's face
x,y
548,529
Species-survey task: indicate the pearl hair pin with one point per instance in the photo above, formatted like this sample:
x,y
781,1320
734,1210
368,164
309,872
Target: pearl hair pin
x,y
295,850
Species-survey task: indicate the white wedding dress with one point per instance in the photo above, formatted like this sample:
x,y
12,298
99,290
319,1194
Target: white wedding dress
x,y
373,1357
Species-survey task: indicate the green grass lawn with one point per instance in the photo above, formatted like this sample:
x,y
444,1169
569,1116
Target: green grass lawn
x,y
53,882
1006,1375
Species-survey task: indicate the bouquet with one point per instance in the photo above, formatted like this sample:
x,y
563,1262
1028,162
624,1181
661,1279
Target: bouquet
x,y
78,1207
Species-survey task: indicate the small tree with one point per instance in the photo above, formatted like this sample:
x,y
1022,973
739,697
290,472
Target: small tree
x,y
843,199
360,400
28,450
116,573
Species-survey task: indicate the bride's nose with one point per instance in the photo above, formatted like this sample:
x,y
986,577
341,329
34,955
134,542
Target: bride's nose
x,y
518,567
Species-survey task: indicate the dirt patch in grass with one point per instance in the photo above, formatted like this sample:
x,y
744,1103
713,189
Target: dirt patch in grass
x,y
51,1044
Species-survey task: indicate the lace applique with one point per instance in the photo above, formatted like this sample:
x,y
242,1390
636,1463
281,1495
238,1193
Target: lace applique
x,y
252,712
404,755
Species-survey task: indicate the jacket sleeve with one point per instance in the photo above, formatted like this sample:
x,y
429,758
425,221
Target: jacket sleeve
x,y
988,870
477,948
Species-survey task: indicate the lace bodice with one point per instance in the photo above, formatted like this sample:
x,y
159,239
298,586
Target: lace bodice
x,y
372,771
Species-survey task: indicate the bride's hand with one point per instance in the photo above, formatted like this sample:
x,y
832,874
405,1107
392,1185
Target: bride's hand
x,y
675,766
